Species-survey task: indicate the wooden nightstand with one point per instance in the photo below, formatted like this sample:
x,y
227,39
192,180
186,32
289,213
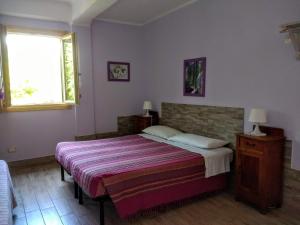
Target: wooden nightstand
x,y
259,168
143,122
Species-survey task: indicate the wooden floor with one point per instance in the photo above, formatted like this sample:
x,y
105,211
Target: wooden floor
x,y
44,199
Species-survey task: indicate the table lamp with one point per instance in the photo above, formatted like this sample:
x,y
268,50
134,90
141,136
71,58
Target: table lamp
x,y
257,116
147,107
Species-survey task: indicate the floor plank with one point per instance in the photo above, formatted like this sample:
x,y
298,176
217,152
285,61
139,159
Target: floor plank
x,y
70,219
44,199
62,206
34,218
20,221
19,212
51,216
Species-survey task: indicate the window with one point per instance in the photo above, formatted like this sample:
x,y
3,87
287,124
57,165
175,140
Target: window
x,y
39,69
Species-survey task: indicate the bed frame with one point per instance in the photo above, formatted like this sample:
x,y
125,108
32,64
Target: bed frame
x,y
78,194
211,121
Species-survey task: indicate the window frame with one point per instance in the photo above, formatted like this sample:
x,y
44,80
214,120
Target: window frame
x,y
72,37
5,70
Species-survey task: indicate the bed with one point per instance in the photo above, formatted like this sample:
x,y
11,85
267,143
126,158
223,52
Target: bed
x,y
7,197
139,172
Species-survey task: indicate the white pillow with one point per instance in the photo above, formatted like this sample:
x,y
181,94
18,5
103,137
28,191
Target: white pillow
x,y
198,141
161,131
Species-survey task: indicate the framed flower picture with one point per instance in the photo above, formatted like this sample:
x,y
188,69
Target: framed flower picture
x,y
118,71
194,73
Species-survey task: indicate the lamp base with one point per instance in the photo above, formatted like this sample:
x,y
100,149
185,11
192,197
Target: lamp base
x,y
257,132
147,113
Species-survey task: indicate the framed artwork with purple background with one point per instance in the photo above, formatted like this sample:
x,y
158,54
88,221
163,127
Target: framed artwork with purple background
x,y
118,71
194,72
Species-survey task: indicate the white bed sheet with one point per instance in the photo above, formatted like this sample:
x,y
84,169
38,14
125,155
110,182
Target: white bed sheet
x,y
217,160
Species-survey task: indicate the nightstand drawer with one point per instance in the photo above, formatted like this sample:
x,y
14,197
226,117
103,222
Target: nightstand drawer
x,y
250,144
142,122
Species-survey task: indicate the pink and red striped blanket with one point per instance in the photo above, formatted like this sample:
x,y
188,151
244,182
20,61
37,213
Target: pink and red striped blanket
x,y
136,172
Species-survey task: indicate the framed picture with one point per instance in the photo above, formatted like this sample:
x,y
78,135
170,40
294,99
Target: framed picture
x,y
194,72
118,71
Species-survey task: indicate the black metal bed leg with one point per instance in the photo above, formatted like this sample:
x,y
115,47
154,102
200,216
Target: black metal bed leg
x,y
62,173
101,204
80,197
75,190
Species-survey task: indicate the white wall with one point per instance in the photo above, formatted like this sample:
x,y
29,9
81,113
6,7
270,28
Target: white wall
x,y
35,134
248,64
113,42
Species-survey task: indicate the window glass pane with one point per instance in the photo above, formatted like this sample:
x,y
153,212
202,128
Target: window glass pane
x,y
69,70
35,69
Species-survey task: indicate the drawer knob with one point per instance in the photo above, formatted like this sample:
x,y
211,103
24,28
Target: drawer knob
x,y
250,144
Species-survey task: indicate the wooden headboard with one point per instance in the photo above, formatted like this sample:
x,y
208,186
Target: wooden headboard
x,y
209,121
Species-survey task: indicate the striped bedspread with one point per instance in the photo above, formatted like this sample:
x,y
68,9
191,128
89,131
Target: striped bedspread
x,y
7,197
136,172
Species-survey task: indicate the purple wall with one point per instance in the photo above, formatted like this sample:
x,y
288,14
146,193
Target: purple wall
x,y
35,134
113,42
248,64
84,112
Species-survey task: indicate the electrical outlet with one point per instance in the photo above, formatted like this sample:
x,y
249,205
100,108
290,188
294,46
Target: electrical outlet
x,y
12,149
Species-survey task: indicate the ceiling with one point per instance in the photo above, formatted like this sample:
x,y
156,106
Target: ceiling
x,y
140,12
82,12
39,9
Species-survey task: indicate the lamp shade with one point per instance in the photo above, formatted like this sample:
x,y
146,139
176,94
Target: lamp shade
x,y
147,105
258,116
